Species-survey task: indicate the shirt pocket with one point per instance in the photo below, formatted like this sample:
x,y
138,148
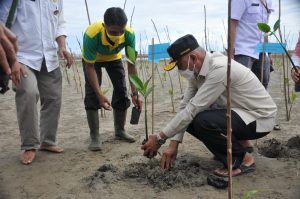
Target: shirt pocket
x,y
252,13
54,10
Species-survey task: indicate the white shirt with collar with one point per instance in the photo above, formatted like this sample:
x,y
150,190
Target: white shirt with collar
x,y
249,99
249,13
37,24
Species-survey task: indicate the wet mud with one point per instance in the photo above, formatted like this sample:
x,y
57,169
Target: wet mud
x,y
274,148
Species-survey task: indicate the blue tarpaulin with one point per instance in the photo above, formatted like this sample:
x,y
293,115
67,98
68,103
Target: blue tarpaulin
x,y
275,48
160,52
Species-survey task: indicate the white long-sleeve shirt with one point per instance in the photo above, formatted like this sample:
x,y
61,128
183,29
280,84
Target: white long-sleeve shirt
x,y
249,99
37,24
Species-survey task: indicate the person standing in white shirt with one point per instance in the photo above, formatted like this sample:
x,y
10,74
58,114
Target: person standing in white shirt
x,y
245,14
39,25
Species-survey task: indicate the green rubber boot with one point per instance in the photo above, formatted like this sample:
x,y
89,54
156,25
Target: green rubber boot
x,y
119,123
93,121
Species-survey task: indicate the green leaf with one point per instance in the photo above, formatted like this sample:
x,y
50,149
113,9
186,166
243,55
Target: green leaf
x,y
249,194
137,83
148,91
264,27
170,92
294,96
146,83
276,25
131,54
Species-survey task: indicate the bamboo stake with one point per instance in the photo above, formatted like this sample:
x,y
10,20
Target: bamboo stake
x,y
124,4
87,11
229,128
262,66
79,79
283,64
287,72
74,76
171,82
153,86
205,34
132,16
141,74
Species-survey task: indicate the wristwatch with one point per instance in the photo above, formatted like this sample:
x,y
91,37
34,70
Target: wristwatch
x,y
159,140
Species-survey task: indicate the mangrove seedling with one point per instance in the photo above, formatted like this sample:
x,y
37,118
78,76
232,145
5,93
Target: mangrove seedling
x,y
267,29
143,88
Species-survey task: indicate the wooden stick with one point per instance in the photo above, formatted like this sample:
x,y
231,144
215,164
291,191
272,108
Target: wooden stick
x,y
205,34
153,86
229,128
87,11
171,82
132,16
124,4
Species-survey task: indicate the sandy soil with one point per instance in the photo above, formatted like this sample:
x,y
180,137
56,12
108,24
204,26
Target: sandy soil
x,y
120,170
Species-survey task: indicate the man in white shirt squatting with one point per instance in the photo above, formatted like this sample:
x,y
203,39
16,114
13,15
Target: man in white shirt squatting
x,y
203,110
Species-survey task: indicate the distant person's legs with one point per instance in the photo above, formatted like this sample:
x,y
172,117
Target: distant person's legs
x,y
248,62
50,88
27,96
256,69
265,78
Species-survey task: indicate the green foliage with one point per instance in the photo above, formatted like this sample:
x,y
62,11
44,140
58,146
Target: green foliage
x,y
140,86
170,92
276,25
264,27
267,29
294,96
249,194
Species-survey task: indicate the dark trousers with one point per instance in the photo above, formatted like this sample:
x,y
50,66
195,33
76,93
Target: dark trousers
x,y
210,127
116,73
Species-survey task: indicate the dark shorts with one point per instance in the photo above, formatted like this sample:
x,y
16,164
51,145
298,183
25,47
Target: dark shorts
x,y
116,73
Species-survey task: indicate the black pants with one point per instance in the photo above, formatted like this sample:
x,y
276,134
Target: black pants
x,y
116,73
210,127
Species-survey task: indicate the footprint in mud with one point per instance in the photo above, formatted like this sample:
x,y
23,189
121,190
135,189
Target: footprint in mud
x,y
273,148
105,174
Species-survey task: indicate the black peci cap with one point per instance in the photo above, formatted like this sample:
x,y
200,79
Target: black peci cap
x,y
179,48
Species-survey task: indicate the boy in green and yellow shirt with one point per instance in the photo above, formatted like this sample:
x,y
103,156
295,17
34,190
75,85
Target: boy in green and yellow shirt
x,y
102,45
